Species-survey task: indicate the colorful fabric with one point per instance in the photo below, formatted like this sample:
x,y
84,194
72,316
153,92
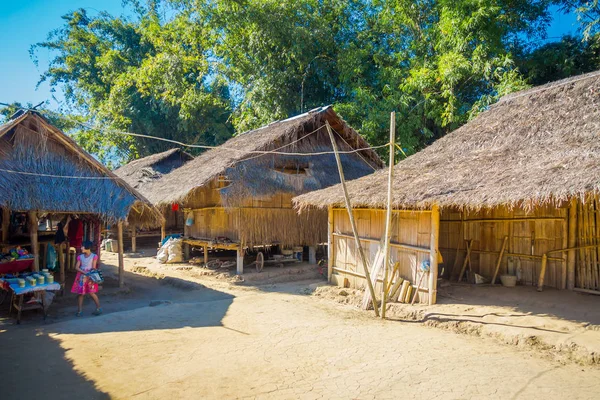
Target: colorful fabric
x,y
83,284
76,233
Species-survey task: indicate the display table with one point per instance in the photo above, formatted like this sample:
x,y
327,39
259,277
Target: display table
x,y
18,293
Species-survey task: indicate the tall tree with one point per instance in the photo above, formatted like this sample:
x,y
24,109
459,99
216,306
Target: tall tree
x,y
148,75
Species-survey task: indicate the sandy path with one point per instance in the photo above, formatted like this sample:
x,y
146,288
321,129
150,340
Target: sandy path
x,y
275,345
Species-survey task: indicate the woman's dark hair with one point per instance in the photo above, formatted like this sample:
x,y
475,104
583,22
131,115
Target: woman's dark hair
x,y
87,245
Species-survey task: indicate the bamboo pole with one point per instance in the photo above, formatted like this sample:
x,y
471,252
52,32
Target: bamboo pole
x,y
542,276
61,262
205,250
580,268
388,216
330,243
433,257
352,222
572,255
133,239
467,260
594,237
33,235
461,235
121,262
5,224
499,261
163,230
418,286
565,244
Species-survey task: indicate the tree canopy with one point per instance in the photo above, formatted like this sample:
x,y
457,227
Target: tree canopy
x,y
197,71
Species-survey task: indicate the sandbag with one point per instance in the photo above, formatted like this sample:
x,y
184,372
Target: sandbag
x,y
175,249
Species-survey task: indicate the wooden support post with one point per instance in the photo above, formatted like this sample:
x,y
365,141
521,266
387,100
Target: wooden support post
x,y
572,242
205,249
121,262
467,260
330,244
240,261
33,235
388,215
433,255
499,261
186,251
5,224
61,262
361,251
163,230
312,254
133,239
540,286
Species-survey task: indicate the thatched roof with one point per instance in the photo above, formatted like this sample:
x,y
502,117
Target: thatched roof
x,y
535,146
140,173
258,172
35,158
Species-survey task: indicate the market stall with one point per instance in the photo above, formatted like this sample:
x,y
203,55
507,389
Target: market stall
x,y
32,285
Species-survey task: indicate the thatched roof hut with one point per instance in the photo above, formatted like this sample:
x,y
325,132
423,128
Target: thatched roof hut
x,y
35,158
237,197
532,147
141,173
513,192
255,174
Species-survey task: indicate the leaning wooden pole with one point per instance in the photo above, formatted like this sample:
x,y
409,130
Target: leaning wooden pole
x,y
352,222
433,254
121,263
388,216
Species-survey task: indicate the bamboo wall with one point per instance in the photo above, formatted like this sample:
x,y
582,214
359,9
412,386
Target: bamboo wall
x,y
257,221
408,228
530,236
587,231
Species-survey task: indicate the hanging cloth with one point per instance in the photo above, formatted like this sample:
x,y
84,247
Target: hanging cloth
x,y
76,233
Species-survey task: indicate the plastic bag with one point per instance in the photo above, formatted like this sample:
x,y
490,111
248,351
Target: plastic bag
x,y
175,249
51,258
163,253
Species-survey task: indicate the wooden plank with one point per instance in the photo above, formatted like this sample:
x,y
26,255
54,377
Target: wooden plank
x,y
393,245
466,261
133,238
330,243
499,260
388,215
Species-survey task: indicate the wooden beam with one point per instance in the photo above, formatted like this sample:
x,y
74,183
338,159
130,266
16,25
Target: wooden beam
x,y
205,250
433,257
330,243
312,254
361,251
61,262
571,242
121,262
499,261
388,214
523,219
401,246
33,235
5,224
133,239
163,230
542,276
240,261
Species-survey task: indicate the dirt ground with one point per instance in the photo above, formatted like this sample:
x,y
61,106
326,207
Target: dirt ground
x,y
176,333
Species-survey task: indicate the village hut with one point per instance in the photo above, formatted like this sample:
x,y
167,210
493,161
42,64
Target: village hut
x,y
45,175
238,196
514,192
143,174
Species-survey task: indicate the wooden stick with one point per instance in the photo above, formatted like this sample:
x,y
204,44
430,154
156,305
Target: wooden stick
x,y
403,291
499,261
331,244
417,290
392,288
5,224
540,285
121,262
33,235
388,216
61,262
433,256
572,255
352,222
565,244
467,260
163,230
133,238
580,264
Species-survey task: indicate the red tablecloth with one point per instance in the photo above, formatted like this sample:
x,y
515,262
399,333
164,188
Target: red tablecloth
x,y
16,266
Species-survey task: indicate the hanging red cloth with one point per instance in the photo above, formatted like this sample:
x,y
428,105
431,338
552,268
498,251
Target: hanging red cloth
x,y
175,207
76,233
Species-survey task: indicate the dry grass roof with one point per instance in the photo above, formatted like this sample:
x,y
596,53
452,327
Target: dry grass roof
x,y
140,173
35,158
536,146
181,183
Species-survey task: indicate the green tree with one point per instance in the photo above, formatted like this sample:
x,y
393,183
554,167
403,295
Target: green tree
x,y
148,75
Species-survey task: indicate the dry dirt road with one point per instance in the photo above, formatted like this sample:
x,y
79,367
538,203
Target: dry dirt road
x,y
271,342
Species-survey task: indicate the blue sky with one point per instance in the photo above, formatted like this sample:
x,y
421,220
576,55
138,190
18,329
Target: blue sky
x,y
24,23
